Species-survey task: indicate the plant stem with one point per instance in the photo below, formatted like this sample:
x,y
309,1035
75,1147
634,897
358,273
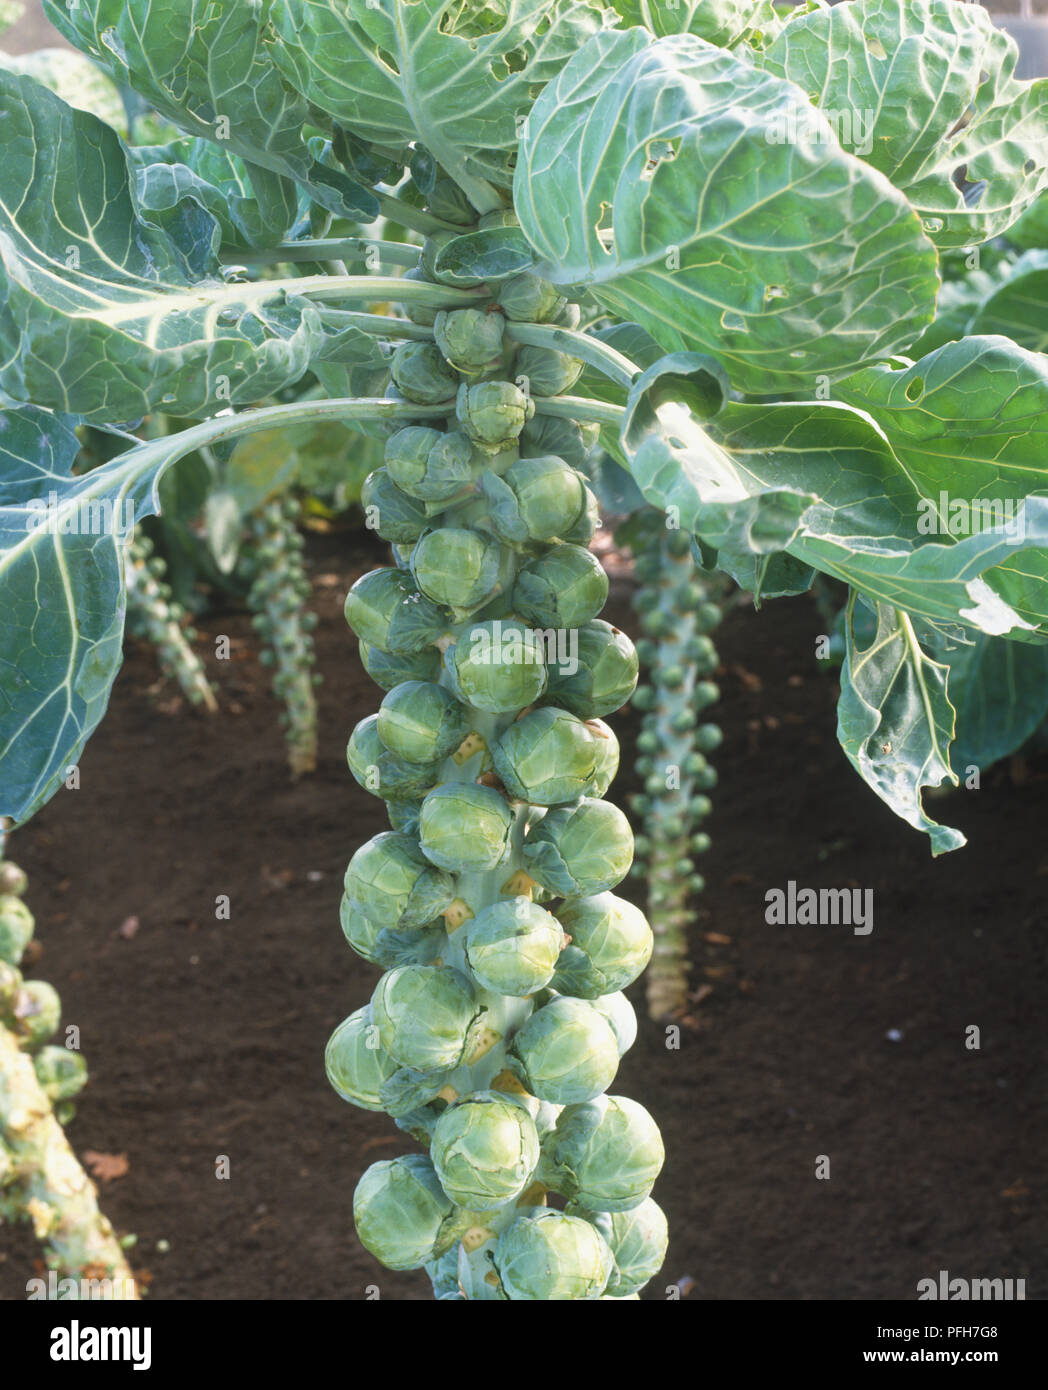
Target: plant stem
x,y
380,325
591,350
327,248
580,408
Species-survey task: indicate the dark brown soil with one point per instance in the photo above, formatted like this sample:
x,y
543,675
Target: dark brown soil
x,y
206,1037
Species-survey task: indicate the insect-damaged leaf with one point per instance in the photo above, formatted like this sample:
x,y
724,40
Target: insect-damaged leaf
x,y
652,175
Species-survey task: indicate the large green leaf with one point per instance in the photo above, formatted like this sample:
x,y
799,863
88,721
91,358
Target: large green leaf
x,y
931,83
208,68
969,423
849,497
455,76
648,175
105,315
895,723
1019,307
722,22
63,611
1000,692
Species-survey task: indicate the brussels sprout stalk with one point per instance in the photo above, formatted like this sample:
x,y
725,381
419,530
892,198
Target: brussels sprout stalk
x,y
41,1180
278,598
496,1028
675,608
151,614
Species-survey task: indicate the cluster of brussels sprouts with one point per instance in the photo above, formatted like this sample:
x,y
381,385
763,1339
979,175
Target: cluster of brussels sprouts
x,y
677,614
153,616
40,1177
497,1028
279,593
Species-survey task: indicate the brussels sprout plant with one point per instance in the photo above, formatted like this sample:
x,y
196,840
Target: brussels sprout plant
x,y
41,1180
633,228
278,598
152,614
677,612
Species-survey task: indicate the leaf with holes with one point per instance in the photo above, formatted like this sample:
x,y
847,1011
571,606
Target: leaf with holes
x,y
456,77
927,90
895,723
649,175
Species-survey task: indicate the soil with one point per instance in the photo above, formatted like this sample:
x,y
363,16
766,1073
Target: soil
x,y
205,1037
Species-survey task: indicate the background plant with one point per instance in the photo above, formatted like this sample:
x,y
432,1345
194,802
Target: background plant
x,y
41,1180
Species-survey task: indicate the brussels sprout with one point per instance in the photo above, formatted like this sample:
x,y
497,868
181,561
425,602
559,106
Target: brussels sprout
x,y
607,755
62,1074
16,921
513,946
580,849
604,1154
605,676
564,587
379,771
567,1052
619,1012
497,666
493,413
388,669
637,1239
390,881
548,372
429,465
611,943
13,880
547,757
390,512
423,1014
401,1212
448,202
548,1255
385,608
422,374
386,946
421,722
550,434
527,298
354,1062
457,567
588,523
484,1150
470,339
37,1011
464,827
538,498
